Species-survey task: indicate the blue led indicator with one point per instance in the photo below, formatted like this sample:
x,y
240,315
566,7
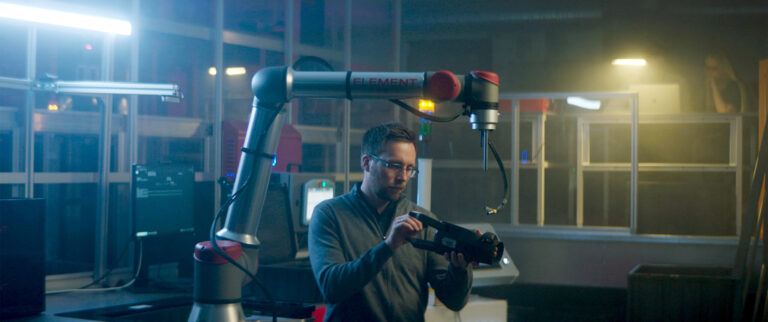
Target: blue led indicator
x,y
274,161
524,157
231,175
323,184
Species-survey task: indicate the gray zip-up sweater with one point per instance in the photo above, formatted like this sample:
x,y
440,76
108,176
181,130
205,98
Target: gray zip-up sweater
x,y
362,279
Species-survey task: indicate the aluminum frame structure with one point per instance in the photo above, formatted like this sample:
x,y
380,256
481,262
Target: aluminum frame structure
x,y
583,158
95,123
128,128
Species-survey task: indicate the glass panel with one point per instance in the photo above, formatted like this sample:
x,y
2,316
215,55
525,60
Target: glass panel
x,y
457,141
260,17
687,203
189,12
560,139
528,195
13,51
322,23
608,143
55,152
159,150
69,55
355,152
750,137
12,130
176,60
313,23
122,59
117,155
606,127
6,151
560,196
319,158
12,137
369,113
559,175
606,199
320,112
11,101
461,194
120,226
684,143
460,188
66,103
238,95
8,191
274,58
527,153
70,223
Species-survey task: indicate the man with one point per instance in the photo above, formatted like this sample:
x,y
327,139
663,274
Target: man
x,y
358,242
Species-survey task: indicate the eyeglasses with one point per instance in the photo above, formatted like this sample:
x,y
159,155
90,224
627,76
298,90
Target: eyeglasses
x,y
410,171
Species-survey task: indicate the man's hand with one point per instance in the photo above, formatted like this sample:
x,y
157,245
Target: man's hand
x,y
403,228
457,259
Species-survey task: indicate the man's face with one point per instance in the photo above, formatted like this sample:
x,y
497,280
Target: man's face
x,y
388,183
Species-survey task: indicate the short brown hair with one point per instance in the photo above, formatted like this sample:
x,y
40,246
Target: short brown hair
x,y
377,137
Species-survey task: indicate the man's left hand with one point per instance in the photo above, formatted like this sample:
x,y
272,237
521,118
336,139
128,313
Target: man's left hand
x,y
456,259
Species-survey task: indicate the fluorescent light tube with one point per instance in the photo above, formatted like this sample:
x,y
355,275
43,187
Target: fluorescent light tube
x,y
67,19
583,102
629,62
232,71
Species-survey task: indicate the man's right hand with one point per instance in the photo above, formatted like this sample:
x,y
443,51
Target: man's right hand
x,y
403,228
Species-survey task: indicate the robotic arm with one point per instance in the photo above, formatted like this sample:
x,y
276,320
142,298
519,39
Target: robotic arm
x,y
274,86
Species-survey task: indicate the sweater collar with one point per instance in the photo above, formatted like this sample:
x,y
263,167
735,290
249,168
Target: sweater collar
x,y
358,193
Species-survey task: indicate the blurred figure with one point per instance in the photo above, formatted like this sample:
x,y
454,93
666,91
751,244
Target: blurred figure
x,y
122,106
725,92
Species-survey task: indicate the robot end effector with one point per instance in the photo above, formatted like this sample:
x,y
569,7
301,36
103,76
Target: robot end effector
x,y
485,248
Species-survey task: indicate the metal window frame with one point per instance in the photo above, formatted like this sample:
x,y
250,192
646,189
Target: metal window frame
x,y
97,123
584,164
129,128
542,164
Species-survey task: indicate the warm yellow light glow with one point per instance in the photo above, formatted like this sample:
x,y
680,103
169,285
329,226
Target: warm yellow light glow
x,y
232,71
629,62
53,107
426,106
229,71
67,19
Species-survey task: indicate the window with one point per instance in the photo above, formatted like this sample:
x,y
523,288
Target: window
x,y
13,51
689,168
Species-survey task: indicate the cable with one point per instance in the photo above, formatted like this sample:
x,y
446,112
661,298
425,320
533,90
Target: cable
x,y
488,210
109,271
218,250
135,276
492,211
427,116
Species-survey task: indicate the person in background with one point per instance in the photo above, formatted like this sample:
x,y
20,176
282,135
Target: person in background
x,y
725,92
358,242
